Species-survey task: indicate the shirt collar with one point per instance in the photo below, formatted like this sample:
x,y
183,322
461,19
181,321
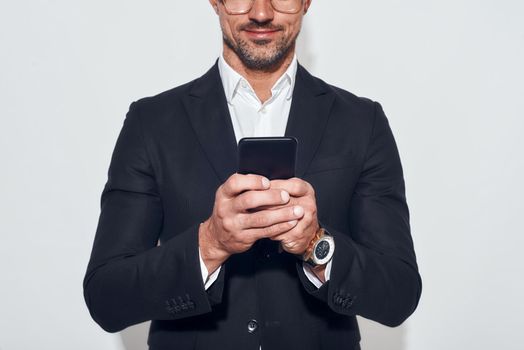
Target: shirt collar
x,y
231,79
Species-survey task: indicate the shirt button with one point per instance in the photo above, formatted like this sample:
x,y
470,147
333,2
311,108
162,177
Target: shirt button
x,y
252,326
263,111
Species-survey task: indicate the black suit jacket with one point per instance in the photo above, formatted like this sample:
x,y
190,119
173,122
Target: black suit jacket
x,y
174,151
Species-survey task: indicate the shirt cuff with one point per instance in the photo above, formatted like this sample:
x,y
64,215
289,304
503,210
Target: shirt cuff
x,y
311,275
208,280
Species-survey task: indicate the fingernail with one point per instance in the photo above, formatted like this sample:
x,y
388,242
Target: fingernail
x,y
293,222
285,196
265,182
298,211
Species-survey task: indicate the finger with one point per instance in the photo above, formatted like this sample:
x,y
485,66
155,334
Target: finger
x,y
290,245
267,232
266,218
296,240
295,187
294,248
291,242
238,183
256,199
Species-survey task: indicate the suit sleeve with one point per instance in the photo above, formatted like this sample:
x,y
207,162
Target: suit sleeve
x,y
130,278
374,272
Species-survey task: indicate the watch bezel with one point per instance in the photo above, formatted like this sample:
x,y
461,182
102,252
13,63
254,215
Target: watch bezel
x,y
329,256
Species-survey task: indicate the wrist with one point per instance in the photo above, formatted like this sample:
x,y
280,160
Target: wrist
x,y
210,251
320,250
320,272
306,256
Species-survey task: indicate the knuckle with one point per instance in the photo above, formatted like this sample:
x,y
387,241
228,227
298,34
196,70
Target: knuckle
x,y
259,220
305,187
286,226
277,228
234,177
253,179
224,190
246,201
297,185
220,191
240,221
221,211
271,230
240,240
232,182
228,223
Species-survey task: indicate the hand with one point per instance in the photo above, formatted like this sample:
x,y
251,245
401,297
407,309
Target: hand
x,y
297,239
246,209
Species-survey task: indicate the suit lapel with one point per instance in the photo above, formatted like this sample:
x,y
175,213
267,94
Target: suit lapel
x,y
308,116
209,115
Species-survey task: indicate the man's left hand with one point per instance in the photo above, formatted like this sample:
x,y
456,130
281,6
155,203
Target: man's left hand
x,y
302,194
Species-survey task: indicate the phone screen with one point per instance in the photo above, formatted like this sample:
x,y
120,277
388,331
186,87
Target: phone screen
x,y
272,157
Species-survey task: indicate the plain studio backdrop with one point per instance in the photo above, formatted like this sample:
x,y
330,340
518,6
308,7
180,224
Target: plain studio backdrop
x,y
448,73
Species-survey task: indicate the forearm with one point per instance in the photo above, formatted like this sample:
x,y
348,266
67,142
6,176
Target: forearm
x,y
377,285
320,272
380,285
163,282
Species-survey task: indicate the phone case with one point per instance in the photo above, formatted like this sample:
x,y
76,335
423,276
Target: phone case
x,y
272,157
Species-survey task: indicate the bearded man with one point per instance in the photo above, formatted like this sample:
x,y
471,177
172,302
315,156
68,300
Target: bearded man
x,y
219,260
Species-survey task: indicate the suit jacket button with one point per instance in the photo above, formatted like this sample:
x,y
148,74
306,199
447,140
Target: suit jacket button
x,y
252,326
347,303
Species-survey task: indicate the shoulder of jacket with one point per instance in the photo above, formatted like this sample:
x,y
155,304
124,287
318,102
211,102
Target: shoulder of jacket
x,y
165,98
341,95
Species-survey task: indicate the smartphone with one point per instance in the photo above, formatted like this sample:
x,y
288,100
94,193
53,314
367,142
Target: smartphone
x,y
272,157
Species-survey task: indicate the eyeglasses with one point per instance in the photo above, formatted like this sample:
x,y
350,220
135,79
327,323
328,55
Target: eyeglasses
x,y
240,7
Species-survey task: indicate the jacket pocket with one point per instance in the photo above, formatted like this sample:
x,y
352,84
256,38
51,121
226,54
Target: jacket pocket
x,y
331,162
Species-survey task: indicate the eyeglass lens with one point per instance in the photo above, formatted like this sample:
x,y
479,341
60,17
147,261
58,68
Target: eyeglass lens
x,y
244,6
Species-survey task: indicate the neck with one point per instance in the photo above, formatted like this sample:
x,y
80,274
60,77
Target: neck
x,y
260,80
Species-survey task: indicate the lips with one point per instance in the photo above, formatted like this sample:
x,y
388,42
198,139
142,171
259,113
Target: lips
x,y
261,34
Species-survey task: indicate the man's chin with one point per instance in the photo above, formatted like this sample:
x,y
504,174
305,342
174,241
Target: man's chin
x,y
258,54
261,42
262,63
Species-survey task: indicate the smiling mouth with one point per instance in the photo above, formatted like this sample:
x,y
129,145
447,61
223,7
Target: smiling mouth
x,y
265,30
261,34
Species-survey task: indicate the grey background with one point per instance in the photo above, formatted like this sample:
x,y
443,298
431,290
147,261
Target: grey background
x,y
448,73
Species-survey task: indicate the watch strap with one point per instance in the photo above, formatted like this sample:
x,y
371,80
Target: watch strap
x,y
309,251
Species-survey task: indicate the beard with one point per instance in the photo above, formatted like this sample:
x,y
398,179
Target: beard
x,y
265,55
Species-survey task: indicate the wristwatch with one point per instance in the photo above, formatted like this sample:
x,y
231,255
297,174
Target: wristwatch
x,y
320,250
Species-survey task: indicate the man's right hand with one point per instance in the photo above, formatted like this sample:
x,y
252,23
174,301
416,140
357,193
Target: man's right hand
x,y
245,210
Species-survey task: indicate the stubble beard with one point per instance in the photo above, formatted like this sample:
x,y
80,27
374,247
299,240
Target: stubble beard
x,y
269,58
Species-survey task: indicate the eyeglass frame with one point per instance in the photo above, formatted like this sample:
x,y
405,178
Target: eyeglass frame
x,y
224,2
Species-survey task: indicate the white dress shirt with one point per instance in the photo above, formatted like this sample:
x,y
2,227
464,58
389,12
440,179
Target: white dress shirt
x,y
252,118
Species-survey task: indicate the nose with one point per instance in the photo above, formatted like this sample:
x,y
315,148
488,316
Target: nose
x,y
262,11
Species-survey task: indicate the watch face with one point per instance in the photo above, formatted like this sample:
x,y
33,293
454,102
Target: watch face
x,y
322,250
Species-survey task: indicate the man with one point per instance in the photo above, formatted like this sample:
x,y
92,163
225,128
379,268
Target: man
x,y
216,259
